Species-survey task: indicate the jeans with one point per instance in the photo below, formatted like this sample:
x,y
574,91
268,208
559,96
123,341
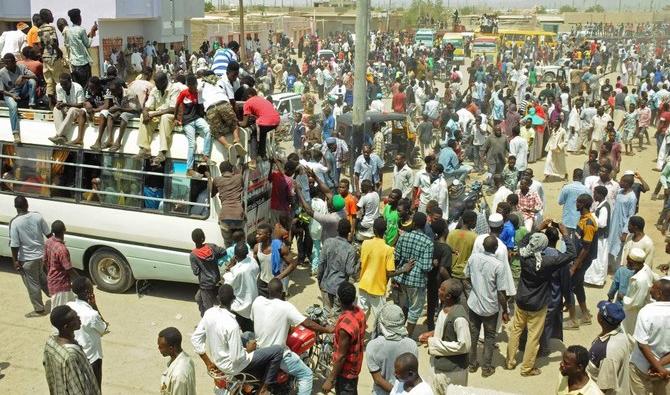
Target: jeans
x,y
459,173
25,90
265,363
416,297
659,141
294,366
191,129
316,255
476,322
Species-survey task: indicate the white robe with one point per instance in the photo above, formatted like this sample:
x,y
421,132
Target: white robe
x,y
597,272
636,297
555,162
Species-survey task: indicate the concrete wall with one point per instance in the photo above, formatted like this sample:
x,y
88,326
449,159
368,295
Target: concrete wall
x,y
15,10
616,17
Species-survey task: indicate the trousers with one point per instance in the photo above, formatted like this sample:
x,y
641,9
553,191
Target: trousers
x,y
164,123
35,280
534,321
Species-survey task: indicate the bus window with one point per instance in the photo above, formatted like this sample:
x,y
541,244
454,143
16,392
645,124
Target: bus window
x,y
90,177
178,188
27,170
154,185
7,170
113,179
199,194
63,175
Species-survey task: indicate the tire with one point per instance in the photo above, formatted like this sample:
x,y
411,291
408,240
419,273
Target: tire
x,y
549,77
110,271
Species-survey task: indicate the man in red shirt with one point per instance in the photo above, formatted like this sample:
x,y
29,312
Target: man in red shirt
x,y
663,123
30,60
398,100
59,268
349,344
188,114
267,119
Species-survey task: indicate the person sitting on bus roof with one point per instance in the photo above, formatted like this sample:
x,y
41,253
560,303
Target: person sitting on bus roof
x,y
158,113
17,82
121,106
187,113
69,110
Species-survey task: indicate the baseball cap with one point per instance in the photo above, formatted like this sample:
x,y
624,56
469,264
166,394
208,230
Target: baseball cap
x,y
338,202
612,313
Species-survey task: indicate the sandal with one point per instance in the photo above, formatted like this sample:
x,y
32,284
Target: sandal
x,y
115,147
532,372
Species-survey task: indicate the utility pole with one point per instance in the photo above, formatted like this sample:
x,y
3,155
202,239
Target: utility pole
x,y
388,17
242,36
360,86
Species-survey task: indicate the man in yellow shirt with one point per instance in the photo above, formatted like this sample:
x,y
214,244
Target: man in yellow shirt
x,y
377,266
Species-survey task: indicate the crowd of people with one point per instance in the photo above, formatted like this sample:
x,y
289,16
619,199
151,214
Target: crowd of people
x,y
515,265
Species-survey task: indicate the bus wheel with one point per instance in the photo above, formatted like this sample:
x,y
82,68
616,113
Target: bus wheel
x,y
110,271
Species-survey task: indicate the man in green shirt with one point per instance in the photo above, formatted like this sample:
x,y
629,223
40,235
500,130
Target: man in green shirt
x,y
461,242
392,218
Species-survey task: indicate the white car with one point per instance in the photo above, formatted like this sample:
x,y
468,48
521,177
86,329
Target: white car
x,y
325,54
549,73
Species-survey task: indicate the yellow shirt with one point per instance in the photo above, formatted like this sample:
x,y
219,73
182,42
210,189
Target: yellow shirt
x,y
376,260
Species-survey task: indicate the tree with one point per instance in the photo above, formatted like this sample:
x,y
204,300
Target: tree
x,y
426,9
567,8
541,9
595,8
209,7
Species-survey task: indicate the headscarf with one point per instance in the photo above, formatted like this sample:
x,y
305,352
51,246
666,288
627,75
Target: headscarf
x,y
391,322
537,243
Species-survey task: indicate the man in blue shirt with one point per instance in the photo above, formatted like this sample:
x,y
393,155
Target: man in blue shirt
x,y
568,199
368,166
225,56
328,125
452,166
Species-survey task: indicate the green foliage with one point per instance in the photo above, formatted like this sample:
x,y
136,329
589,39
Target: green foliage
x,y
541,9
595,8
209,7
567,8
425,8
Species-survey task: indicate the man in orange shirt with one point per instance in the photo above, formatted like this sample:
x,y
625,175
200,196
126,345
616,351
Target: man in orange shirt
x,y
32,38
398,100
350,202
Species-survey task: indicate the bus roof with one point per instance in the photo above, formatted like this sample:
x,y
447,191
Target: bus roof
x,y
453,36
425,31
526,32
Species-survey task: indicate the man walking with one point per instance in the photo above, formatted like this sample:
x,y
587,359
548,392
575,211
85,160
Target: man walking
x,y
65,363
338,264
59,268
26,239
179,377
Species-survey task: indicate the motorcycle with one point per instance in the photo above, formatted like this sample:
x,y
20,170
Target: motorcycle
x,y
463,198
314,350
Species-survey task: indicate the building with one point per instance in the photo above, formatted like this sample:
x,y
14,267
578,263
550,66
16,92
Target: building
x,y
266,27
12,12
121,23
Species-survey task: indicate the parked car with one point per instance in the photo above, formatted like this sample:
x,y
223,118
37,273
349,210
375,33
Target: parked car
x,y
287,104
325,54
549,73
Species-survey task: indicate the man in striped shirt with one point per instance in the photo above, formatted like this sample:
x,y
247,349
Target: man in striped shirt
x,y
224,56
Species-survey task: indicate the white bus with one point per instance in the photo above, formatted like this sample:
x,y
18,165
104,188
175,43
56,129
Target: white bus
x,y
137,224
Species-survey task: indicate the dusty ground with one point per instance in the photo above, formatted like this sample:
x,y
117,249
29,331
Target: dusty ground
x,y
133,365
